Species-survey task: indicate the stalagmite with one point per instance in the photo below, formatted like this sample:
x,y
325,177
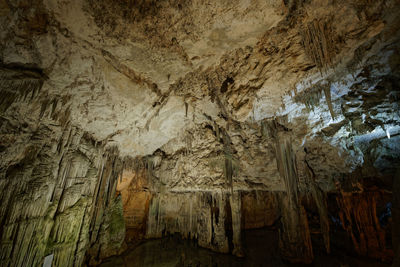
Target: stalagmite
x,y
327,92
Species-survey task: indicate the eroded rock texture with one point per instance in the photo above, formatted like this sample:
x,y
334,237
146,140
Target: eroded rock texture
x,y
56,182
126,120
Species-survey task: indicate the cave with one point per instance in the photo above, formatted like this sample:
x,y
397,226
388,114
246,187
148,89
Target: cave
x,y
199,133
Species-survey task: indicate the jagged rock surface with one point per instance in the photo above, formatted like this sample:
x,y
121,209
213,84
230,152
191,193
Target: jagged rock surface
x,y
55,181
187,103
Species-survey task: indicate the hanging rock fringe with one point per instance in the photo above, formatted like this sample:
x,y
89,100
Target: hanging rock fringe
x,y
327,92
311,97
318,42
17,85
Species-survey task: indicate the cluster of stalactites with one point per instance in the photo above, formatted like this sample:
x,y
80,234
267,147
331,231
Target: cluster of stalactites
x,y
319,43
312,97
207,217
18,85
141,166
70,178
24,86
318,40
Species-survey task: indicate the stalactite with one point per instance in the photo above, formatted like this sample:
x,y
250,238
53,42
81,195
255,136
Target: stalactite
x,y
43,107
231,166
294,235
188,143
61,176
104,199
327,92
286,162
310,98
319,44
199,215
217,131
228,170
149,167
264,129
16,90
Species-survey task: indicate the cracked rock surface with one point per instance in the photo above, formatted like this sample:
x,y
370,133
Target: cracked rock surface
x,y
124,120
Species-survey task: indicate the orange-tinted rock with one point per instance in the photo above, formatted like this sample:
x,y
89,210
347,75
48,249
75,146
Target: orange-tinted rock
x,y
358,215
135,200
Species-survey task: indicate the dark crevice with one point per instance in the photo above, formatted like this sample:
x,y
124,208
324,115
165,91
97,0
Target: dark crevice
x,y
224,87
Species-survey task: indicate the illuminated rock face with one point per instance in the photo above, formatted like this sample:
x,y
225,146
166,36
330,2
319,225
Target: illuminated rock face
x,y
58,194
136,198
127,120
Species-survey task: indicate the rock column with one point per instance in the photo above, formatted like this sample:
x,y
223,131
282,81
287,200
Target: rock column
x,y
236,207
294,235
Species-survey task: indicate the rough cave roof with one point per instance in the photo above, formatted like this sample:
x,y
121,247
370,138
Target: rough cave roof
x,y
147,75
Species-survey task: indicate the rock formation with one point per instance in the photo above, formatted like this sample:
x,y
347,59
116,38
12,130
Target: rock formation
x,y
126,120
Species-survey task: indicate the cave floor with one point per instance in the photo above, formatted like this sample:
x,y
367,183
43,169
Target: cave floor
x,y
261,248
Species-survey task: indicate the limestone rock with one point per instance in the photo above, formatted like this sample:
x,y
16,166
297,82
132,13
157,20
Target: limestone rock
x,y
212,115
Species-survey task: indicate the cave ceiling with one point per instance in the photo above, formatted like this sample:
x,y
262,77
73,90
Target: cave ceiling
x,y
148,76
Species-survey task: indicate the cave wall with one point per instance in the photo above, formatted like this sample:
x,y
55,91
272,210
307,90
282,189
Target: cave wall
x,y
259,209
194,105
57,183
